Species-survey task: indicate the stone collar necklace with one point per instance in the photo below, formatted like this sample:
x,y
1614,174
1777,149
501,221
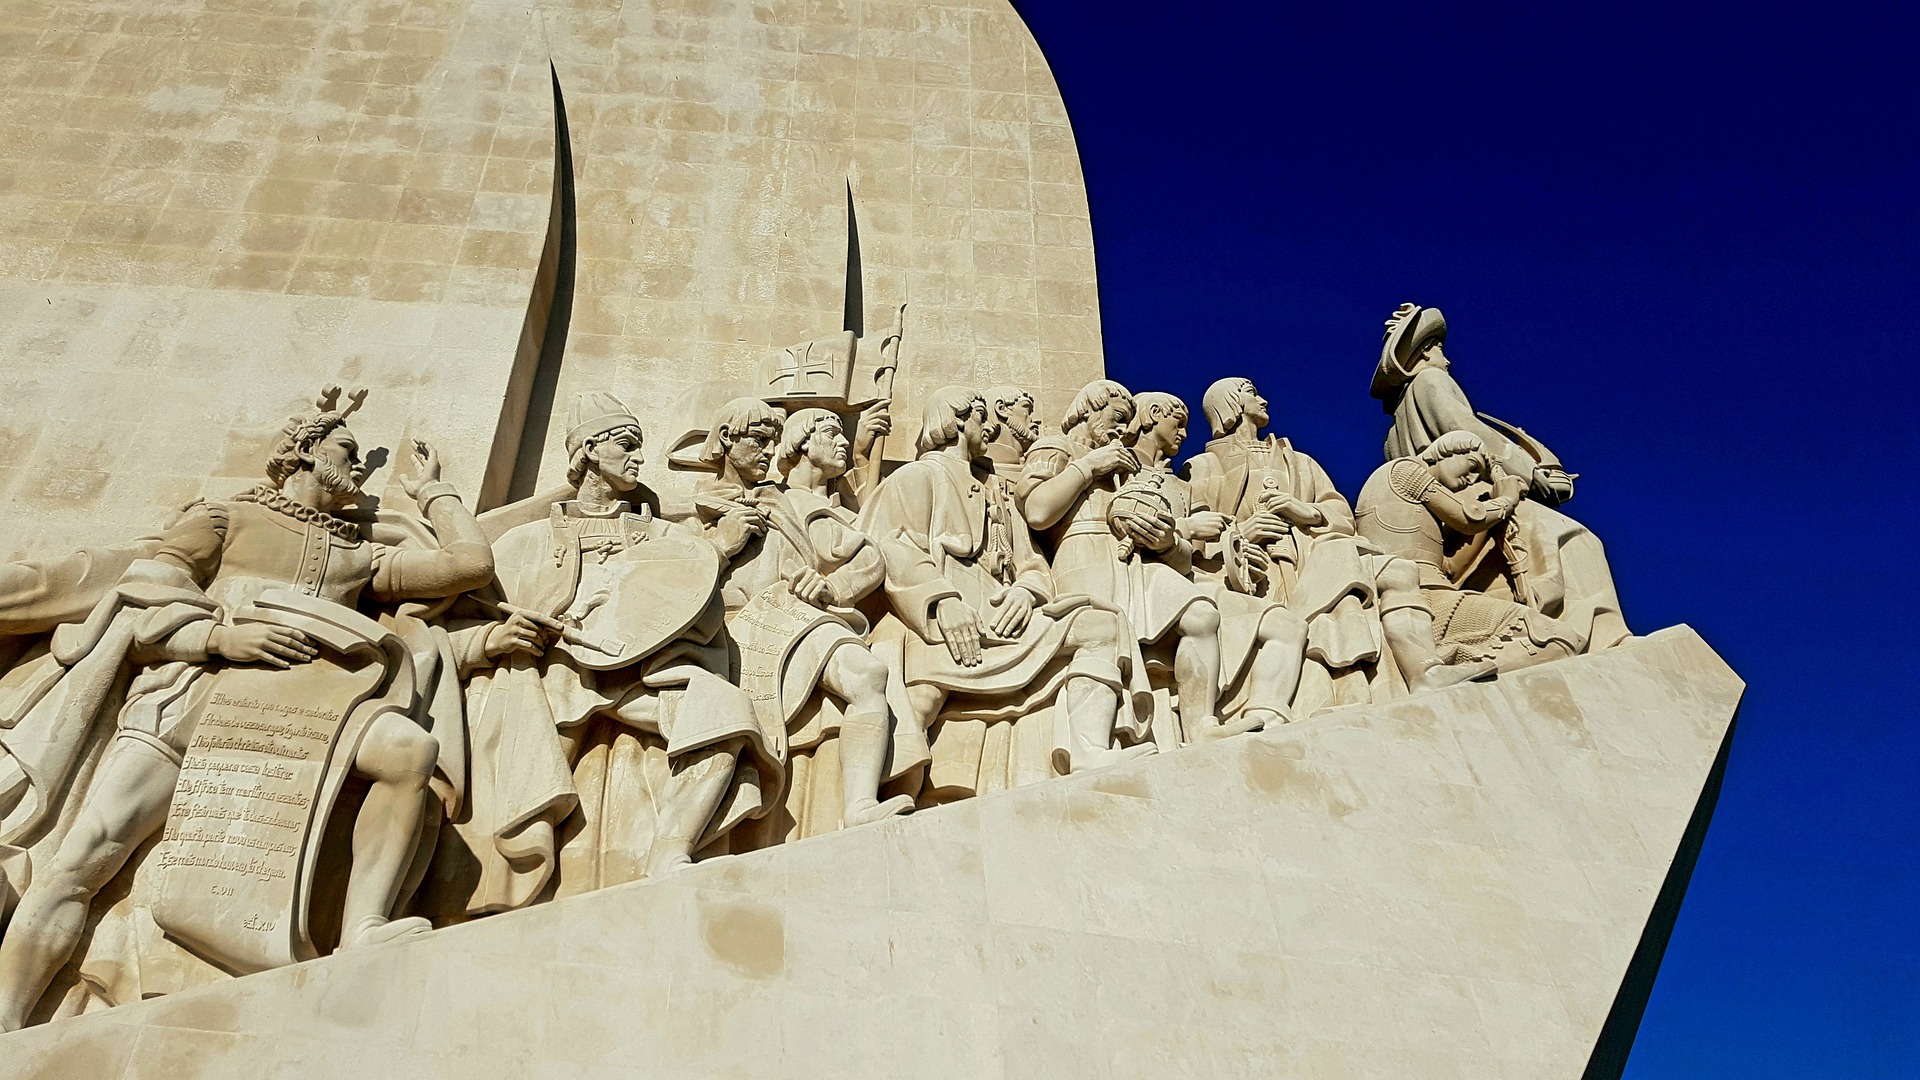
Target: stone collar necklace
x,y
270,497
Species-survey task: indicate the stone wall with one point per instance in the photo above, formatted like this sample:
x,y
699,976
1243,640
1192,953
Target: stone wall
x,y
210,209
1473,883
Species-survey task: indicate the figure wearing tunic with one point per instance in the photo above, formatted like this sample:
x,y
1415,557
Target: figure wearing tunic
x,y
1321,573
553,795
1151,592
1569,561
948,531
1406,511
784,643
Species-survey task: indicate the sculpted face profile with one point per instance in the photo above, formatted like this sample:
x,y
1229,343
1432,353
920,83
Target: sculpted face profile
x,y
219,607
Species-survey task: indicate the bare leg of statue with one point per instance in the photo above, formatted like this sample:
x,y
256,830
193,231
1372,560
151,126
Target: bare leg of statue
x,y
1407,625
859,678
398,756
1280,649
1092,705
700,780
126,804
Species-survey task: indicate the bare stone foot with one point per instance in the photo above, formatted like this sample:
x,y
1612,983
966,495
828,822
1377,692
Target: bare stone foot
x,y
374,930
879,811
1443,675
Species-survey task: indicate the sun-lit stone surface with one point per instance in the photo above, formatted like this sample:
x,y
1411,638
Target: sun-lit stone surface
x,y
1453,885
212,208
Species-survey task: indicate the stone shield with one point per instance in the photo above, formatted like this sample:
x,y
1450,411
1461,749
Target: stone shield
x,y
665,585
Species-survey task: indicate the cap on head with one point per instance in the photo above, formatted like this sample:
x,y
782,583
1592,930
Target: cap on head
x,y
593,414
1409,328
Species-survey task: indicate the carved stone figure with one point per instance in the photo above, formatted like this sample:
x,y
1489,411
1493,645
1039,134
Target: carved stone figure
x,y
1568,575
792,591
1011,409
256,590
1098,529
977,625
1262,644
599,690
1292,539
1437,510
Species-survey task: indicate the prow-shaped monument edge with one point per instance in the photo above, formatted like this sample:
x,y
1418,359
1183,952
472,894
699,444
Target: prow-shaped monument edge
x,y
1468,882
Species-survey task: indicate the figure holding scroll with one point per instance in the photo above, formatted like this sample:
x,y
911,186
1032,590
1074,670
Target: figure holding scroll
x,y
204,606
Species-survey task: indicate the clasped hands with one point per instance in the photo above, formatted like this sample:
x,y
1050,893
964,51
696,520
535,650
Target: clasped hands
x,y
960,624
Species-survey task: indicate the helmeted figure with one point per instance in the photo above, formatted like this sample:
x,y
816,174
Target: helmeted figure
x,y
1292,539
609,742
1072,490
1563,563
1437,510
792,592
977,626
181,616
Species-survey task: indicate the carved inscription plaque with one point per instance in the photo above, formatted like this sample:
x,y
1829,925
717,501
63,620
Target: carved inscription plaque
x,y
269,748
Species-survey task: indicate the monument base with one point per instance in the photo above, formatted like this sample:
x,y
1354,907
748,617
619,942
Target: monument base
x,y
1477,882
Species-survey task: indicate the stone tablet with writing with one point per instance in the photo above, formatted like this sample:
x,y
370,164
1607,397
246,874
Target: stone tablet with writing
x,y
269,752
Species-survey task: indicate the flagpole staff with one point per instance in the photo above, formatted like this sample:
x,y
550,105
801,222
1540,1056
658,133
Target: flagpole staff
x,y
889,364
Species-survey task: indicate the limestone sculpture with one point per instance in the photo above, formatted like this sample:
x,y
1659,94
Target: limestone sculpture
x,y
1436,510
792,591
1293,539
981,632
1098,526
601,683
1262,643
1567,572
247,660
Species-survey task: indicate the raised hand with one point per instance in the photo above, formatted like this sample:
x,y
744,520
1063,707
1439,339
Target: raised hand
x,y
261,643
960,625
1111,458
1014,609
739,525
426,468
875,420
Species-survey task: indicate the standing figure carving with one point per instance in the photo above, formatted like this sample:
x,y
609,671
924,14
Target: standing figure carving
x,y
1262,644
1100,527
610,743
1292,539
1563,567
792,591
977,626
1437,510
248,588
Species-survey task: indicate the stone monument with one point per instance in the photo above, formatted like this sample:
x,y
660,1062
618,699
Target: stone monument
x,y
885,701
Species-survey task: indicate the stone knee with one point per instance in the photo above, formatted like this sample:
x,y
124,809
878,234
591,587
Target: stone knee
x,y
1282,627
1398,579
397,749
863,679
1099,630
1200,620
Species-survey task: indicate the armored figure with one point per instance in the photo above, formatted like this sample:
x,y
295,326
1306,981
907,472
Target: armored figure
x,y
977,626
1292,539
1562,562
619,747
792,593
193,611
1437,510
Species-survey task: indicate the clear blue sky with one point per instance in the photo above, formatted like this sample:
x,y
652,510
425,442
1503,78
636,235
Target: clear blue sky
x,y
1683,247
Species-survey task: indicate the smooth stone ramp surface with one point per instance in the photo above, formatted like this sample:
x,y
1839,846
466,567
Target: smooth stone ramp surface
x,y
1451,886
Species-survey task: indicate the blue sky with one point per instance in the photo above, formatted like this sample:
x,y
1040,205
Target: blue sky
x,y
1683,247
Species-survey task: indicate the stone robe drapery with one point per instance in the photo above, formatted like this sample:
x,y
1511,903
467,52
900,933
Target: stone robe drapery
x,y
946,530
1568,559
551,794
1321,573
783,643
